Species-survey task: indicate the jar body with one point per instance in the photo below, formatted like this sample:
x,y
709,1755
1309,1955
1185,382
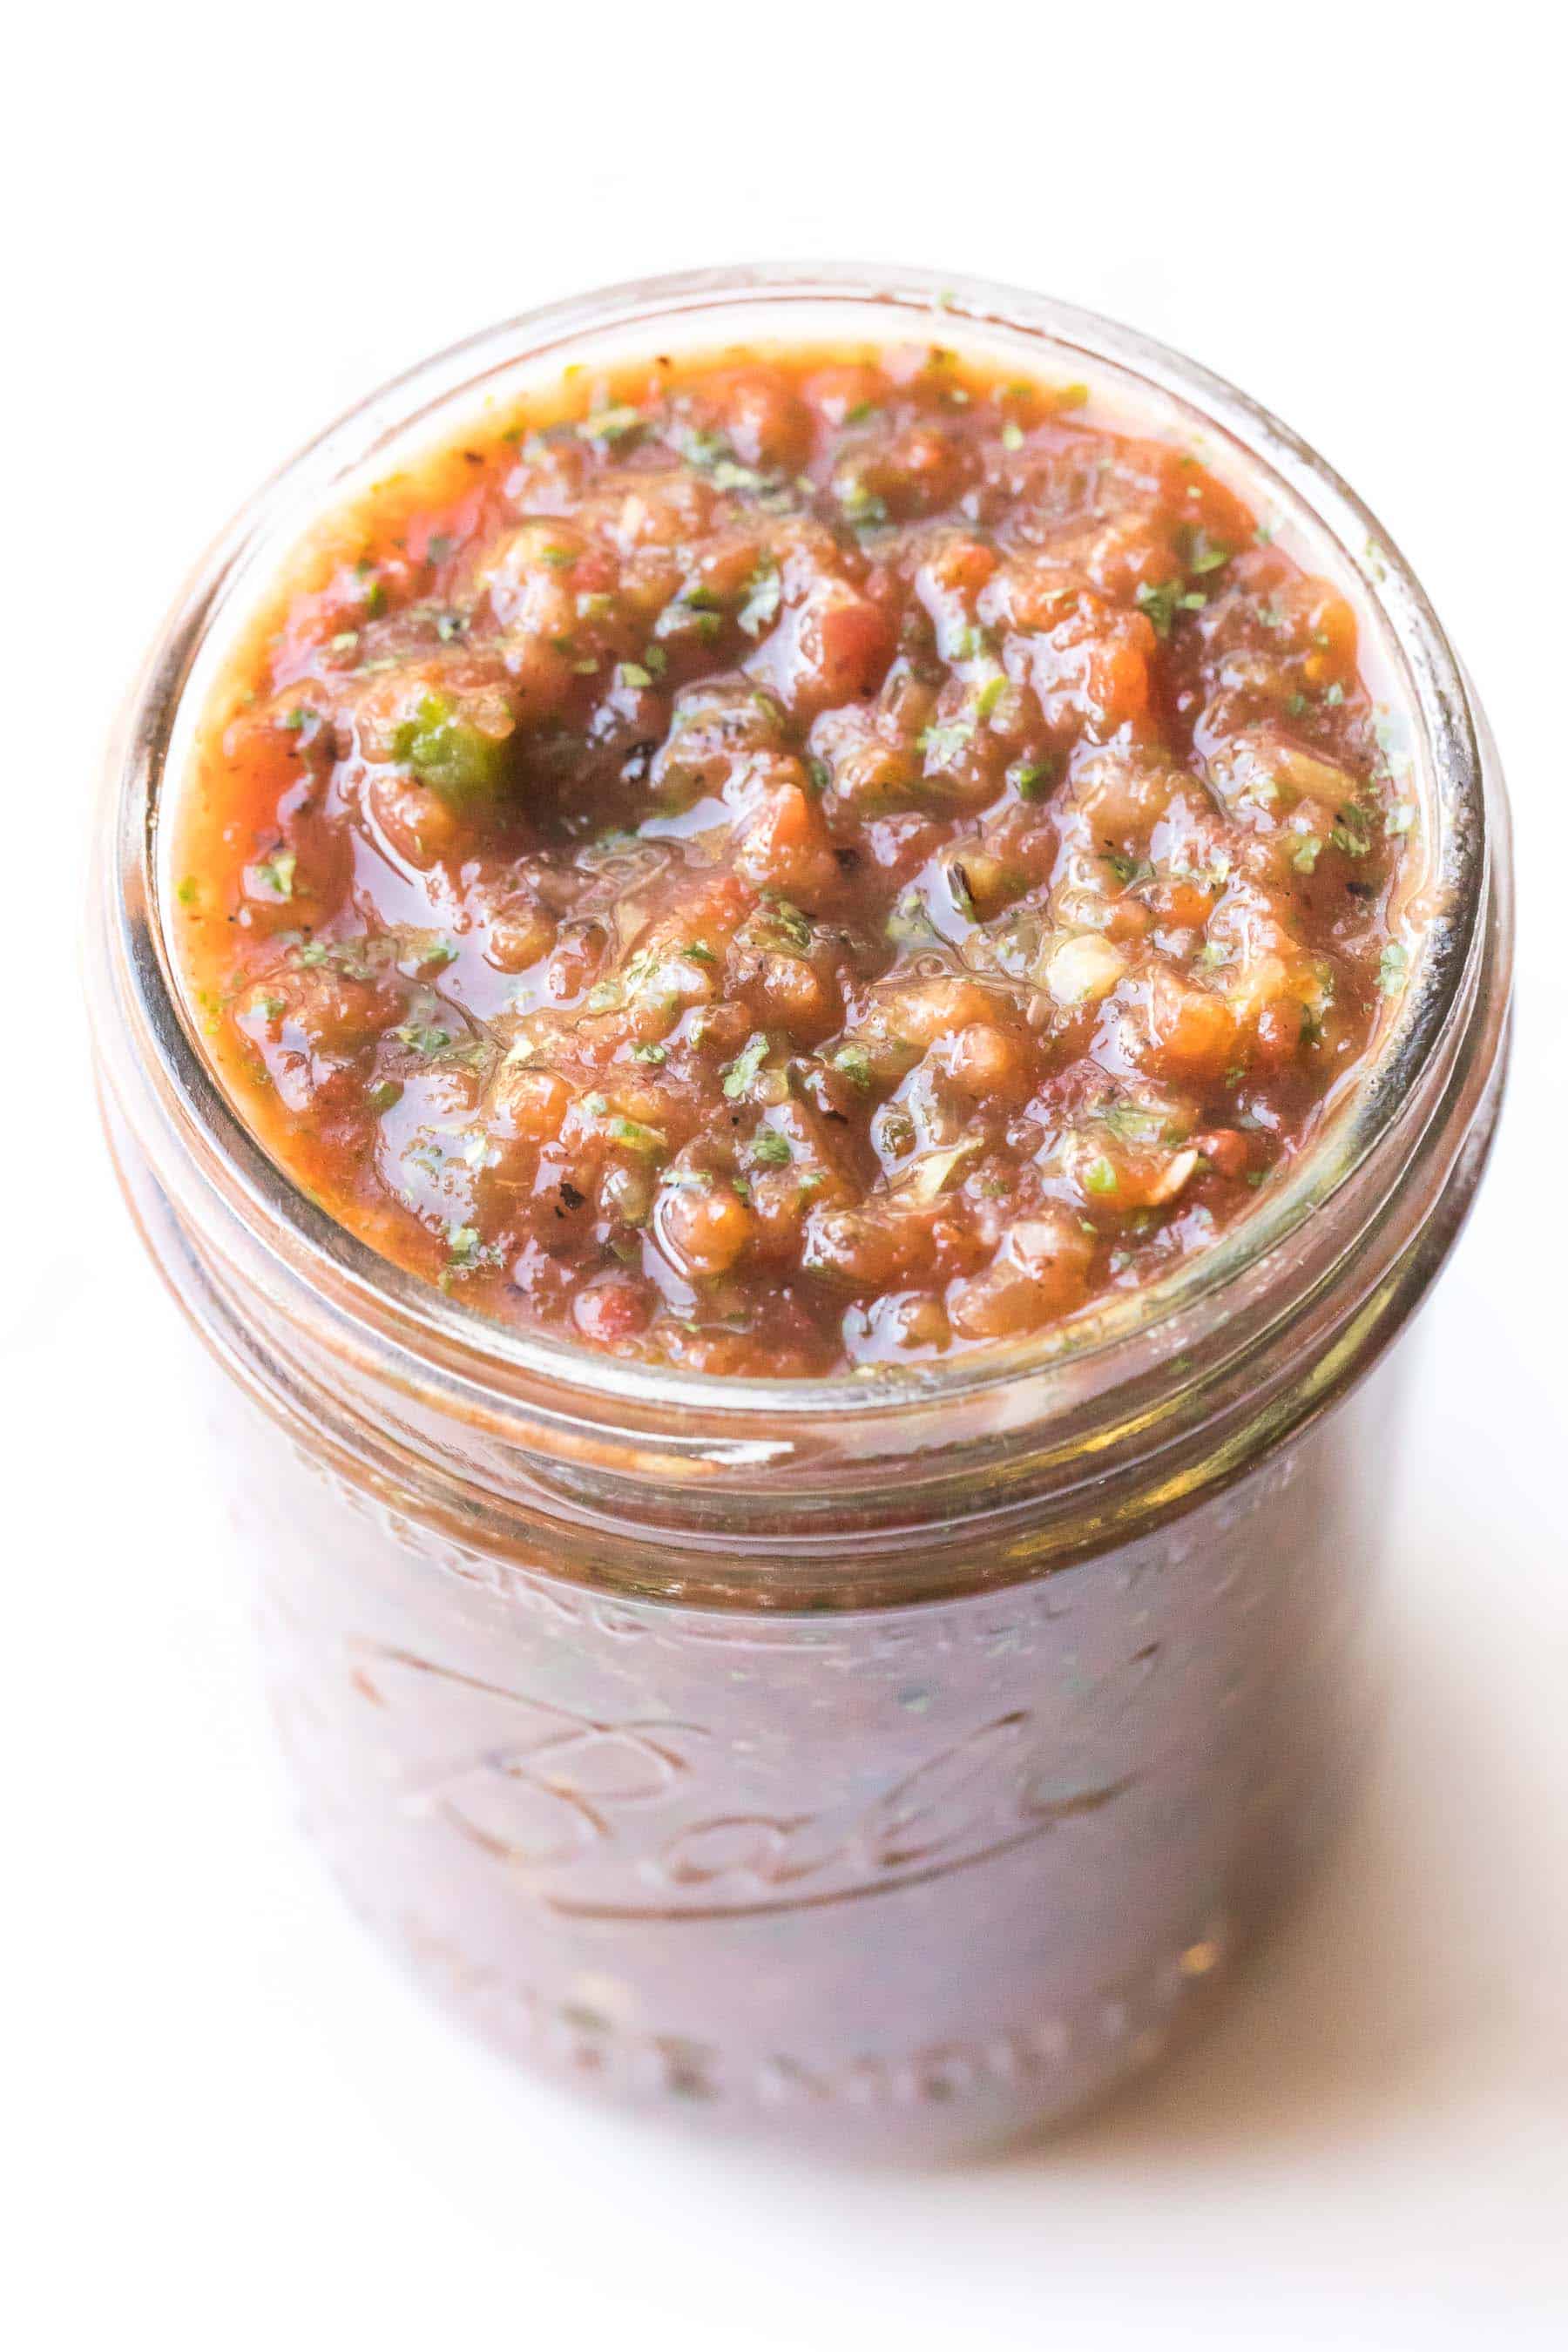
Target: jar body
x,y
910,1879
891,1768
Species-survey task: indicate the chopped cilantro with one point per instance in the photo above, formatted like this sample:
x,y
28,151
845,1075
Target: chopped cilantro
x,y
777,927
855,1062
764,592
1202,554
743,1069
633,1135
423,1037
1392,967
277,872
704,449
910,924
1032,779
1133,1122
1163,603
942,744
861,507
612,424
1351,833
1128,870
729,476
426,952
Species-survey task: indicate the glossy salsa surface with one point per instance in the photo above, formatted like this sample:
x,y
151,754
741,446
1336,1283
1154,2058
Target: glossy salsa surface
x,y
793,862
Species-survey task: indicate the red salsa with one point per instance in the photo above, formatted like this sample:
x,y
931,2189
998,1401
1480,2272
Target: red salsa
x,y
790,863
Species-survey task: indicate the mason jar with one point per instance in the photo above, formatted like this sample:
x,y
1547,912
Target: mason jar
x,y
891,1764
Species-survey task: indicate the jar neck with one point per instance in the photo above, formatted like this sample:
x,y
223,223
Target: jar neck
x,y
903,1494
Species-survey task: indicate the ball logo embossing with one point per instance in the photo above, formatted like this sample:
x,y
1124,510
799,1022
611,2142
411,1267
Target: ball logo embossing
x,y
615,1819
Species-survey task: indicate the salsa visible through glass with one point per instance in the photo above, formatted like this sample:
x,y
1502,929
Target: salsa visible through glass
x,y
790,863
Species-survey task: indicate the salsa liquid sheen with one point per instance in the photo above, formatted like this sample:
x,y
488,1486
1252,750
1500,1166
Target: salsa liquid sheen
x,y
793,862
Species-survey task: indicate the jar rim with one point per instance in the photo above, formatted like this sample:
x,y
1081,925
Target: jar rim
x,y
1102,1350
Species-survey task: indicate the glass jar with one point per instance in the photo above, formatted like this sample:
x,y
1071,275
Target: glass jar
x,y
892,1763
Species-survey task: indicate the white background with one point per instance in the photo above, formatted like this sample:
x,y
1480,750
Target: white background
x,y
235,2126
